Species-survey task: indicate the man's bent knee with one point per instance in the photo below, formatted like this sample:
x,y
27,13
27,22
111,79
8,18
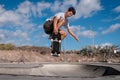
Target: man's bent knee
x,y
63,34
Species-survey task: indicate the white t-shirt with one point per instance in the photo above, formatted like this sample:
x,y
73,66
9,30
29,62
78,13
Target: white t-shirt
x,y
61,16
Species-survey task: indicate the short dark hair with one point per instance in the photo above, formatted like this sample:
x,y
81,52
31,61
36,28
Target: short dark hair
x,y
72,9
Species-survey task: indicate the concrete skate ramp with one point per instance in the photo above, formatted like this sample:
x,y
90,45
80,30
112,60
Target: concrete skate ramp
x,y
75,70
61,70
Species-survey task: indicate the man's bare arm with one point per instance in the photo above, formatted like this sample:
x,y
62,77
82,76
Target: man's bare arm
x,y
55,21
72,33
57,24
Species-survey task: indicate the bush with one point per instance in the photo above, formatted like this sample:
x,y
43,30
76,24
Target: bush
x,y
8,46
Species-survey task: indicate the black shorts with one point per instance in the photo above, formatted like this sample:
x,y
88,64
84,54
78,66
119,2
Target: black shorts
x,y
48,27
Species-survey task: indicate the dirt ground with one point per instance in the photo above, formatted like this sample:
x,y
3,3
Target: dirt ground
x,y
31,56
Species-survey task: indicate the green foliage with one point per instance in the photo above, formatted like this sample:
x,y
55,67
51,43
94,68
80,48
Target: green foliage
x,y
8,46
98,50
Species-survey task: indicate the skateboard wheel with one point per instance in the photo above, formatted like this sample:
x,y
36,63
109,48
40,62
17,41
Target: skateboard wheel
x,y
59,41
58,55
52,40
52,54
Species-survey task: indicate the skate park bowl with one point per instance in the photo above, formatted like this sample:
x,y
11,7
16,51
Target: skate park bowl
x,y
60,70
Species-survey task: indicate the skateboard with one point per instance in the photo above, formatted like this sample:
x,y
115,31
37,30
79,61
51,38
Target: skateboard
x,y
55,44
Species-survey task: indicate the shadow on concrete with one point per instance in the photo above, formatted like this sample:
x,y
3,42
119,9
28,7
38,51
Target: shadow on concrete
x,y
106,71
111,71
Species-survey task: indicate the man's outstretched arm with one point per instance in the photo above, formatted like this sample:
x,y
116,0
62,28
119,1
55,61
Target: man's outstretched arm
x,y
72,33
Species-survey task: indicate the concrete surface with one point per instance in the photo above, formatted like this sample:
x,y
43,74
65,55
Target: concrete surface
x,y
59,71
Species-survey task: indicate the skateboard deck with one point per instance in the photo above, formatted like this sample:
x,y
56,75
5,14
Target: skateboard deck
x,y
56,44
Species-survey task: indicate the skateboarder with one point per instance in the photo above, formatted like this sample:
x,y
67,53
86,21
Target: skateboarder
x,y
54,24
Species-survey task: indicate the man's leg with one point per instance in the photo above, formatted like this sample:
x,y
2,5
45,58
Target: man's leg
x,y
63,34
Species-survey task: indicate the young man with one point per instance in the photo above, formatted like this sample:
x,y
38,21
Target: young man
x,y
54,24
